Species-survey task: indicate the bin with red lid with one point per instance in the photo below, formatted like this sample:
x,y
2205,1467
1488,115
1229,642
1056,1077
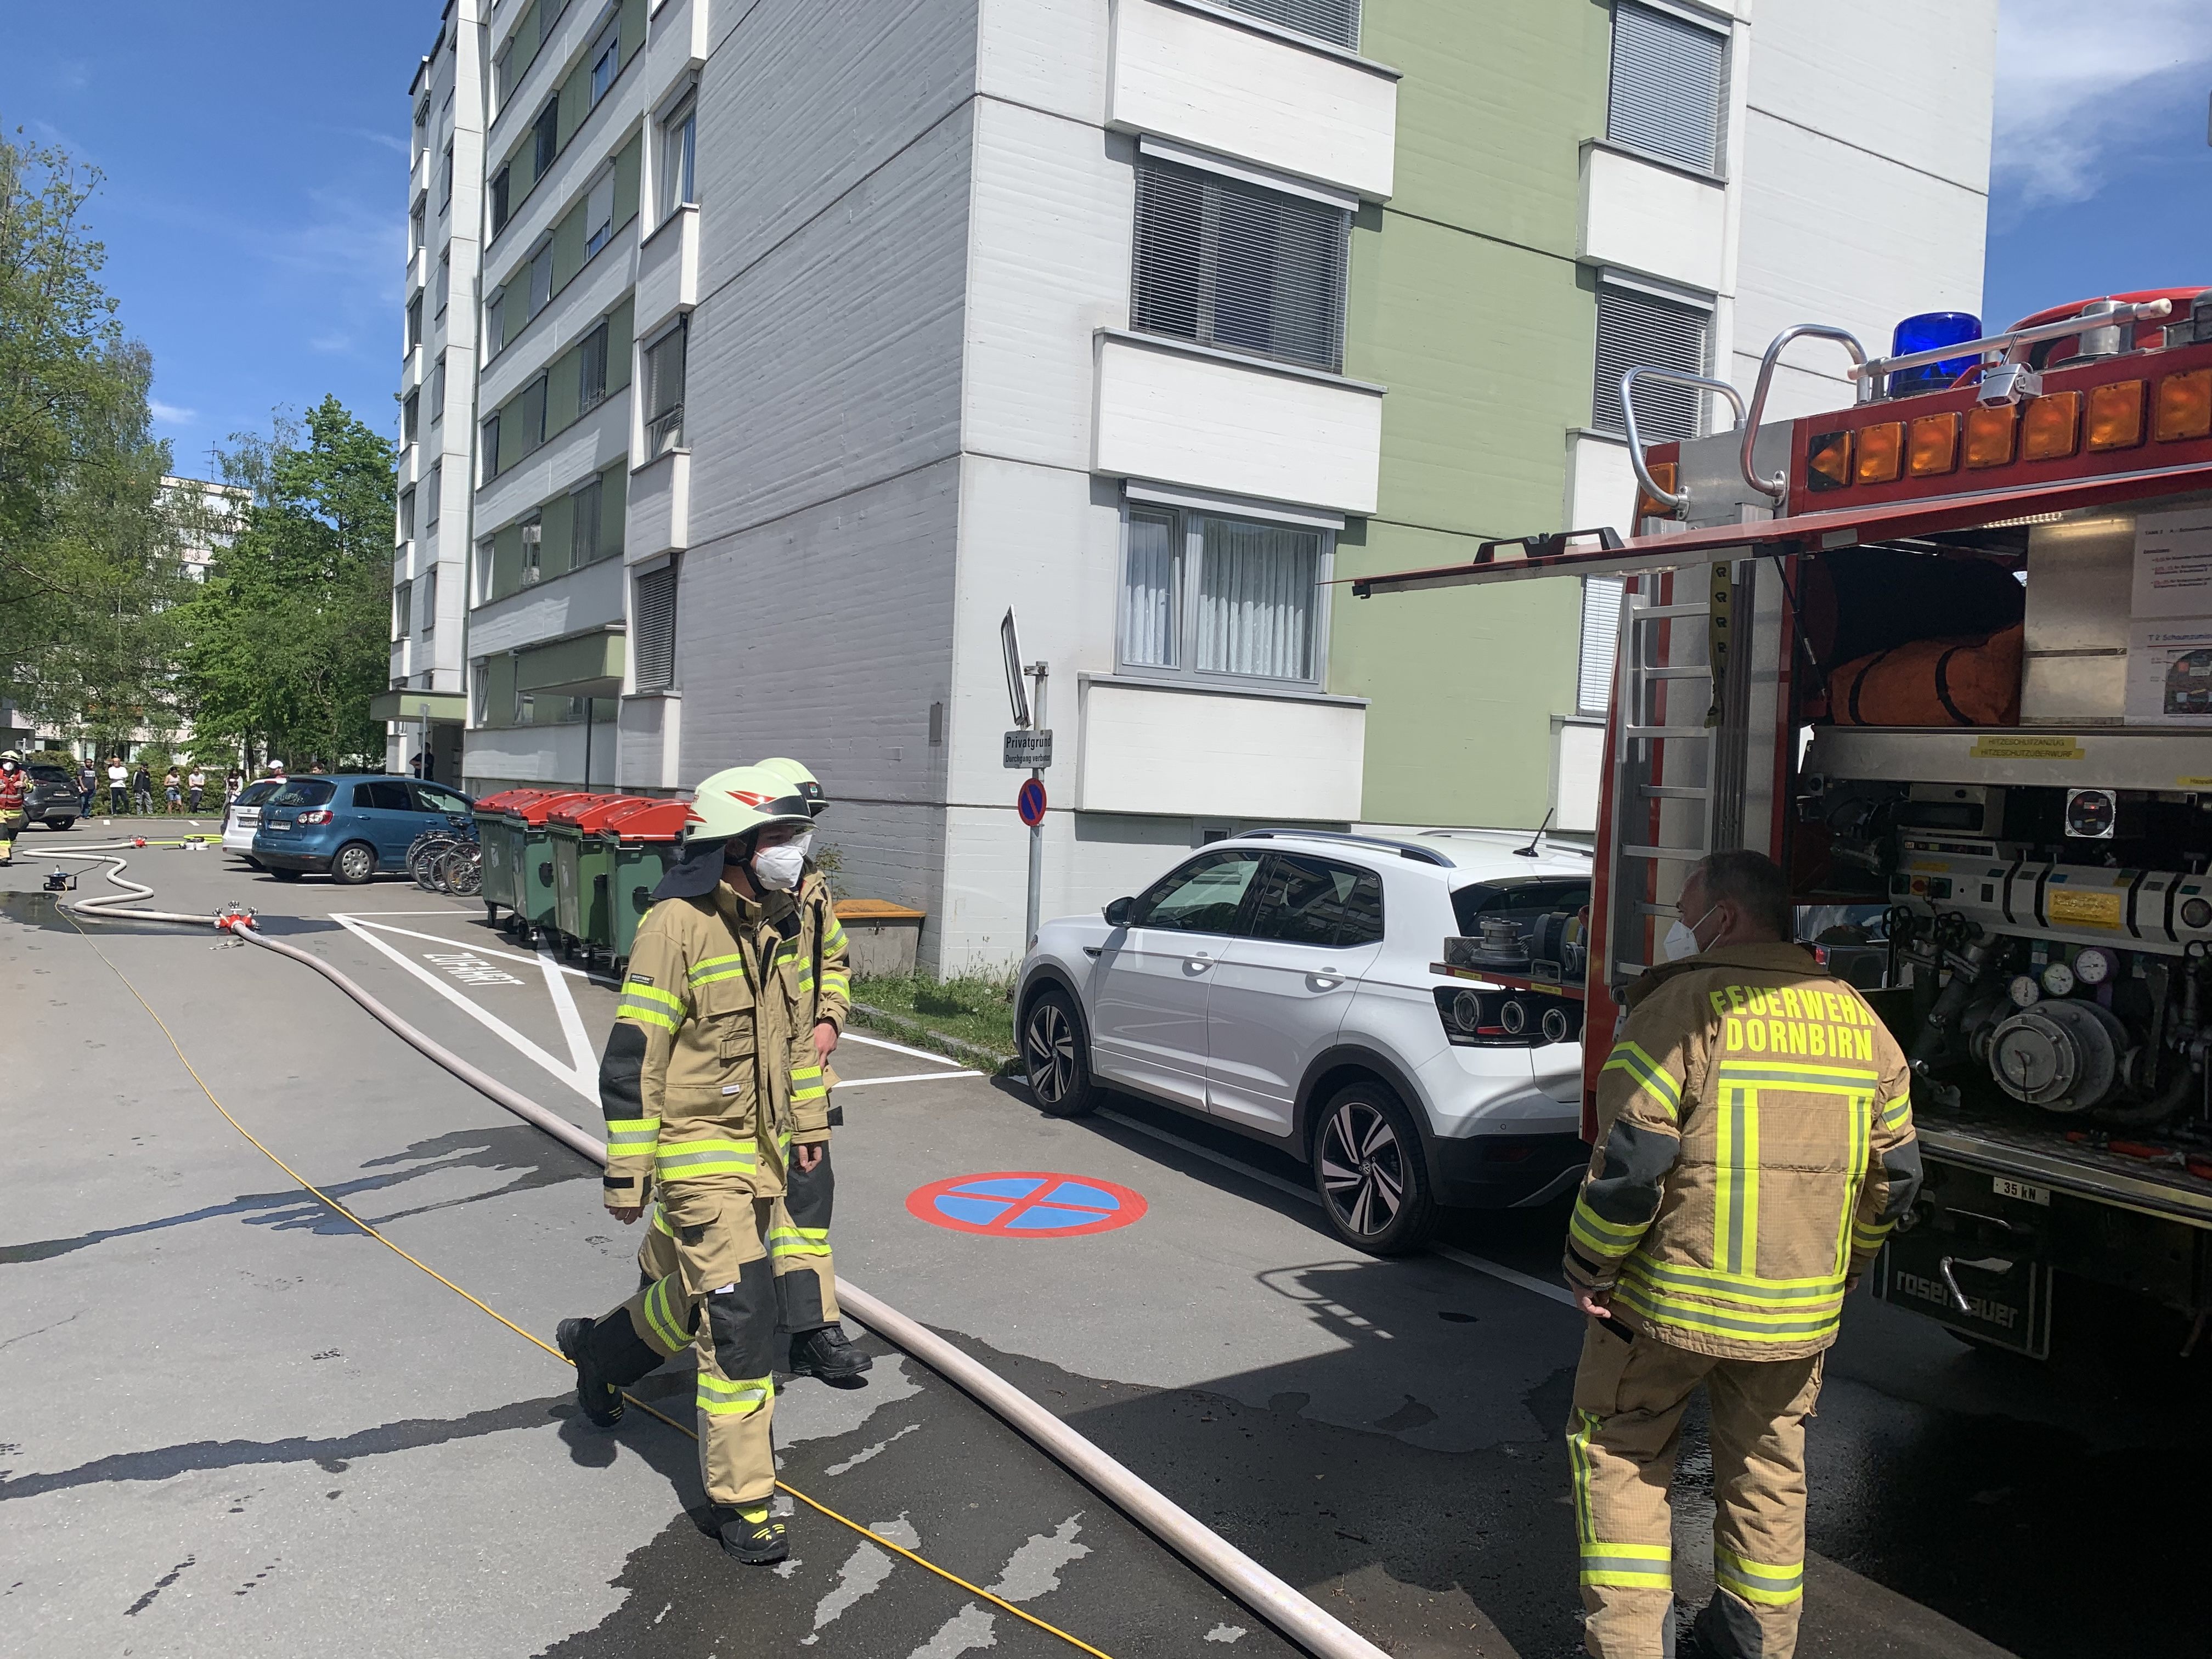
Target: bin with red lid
x,y
533,876
583,868
646,839
499,832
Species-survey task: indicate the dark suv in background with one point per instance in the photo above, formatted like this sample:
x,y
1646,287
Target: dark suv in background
x,y
53,799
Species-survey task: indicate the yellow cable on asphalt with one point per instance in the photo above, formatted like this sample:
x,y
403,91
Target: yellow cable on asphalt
x,y
325,1198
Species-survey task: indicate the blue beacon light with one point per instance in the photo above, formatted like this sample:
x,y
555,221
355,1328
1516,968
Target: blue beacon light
x,y
1924,332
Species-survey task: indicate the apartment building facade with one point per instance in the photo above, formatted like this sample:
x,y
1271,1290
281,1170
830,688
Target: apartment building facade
x,y
425,704
817,336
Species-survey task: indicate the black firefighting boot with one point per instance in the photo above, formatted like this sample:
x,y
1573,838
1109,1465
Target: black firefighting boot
x,y
827,1354
751,1534
600,1401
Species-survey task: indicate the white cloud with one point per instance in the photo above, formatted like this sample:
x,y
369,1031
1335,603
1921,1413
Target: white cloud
x,y
170,415
2076,83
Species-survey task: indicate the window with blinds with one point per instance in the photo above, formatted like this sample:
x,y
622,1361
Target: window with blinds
x,y
1670,87
1635,329
1336,22
653,629
1601,604
1235,264
1206,595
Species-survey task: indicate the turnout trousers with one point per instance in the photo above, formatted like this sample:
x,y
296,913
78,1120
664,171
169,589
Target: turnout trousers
x,y
11,825
797,1236
715,1293
1630,1395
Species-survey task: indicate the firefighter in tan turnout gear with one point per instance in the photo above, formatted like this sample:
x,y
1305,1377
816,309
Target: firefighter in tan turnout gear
x,y
14,803
697,1087
820,979
1755,1146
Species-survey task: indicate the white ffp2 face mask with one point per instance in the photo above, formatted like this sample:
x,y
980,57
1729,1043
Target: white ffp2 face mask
x,y
779,868
1681,939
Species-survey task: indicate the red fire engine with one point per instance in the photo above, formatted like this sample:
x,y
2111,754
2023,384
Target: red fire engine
x,y
1946,654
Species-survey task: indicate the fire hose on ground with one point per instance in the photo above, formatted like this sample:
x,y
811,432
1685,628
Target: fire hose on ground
x,y
1277,1602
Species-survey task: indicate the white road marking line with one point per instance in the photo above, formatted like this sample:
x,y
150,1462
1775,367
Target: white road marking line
x,y
898,1049
583,1083
1450,1252
909,1077
572,1022
357,915
459,945
1499,1270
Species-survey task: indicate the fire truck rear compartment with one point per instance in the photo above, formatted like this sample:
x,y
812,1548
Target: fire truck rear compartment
x,y
2042,948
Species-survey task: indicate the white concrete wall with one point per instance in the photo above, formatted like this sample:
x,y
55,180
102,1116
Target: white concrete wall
x,y
1866,179
1639,215
1147,746
1204,80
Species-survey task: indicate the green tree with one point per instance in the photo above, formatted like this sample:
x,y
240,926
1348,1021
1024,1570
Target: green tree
x,y
89,564
287,638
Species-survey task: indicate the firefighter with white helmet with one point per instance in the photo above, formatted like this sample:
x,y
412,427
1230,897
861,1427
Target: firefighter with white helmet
x,y
819,980
696,1085
14,803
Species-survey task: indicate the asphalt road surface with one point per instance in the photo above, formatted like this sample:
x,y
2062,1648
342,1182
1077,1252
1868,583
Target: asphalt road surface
x,y
234,1425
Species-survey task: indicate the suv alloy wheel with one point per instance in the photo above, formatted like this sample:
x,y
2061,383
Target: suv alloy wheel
x,y
1369,1171
1053,1046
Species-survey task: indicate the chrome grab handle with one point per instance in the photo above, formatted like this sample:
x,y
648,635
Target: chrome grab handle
x,y
1672,501
1996,345
1776,489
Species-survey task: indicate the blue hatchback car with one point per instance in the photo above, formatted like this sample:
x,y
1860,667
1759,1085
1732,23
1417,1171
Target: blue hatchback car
x,y
351,827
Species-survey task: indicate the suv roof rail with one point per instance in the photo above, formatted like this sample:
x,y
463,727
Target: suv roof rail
x,y
1403,849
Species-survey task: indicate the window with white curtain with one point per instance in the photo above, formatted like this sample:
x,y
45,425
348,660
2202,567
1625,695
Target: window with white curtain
x,y
1204,596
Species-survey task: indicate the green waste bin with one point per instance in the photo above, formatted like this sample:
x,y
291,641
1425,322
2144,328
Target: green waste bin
x,y
499,831
533,876
583,870
646,839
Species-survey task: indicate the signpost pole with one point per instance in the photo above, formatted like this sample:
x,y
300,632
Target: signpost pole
x,y
1036,830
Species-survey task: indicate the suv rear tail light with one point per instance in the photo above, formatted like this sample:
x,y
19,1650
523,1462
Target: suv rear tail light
x,y
1506,1019
315,815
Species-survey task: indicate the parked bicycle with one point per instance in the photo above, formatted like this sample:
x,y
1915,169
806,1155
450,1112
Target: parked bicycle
x,y
430,852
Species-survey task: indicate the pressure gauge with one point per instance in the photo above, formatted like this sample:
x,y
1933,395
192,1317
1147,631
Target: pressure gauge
x,y
2024,991
2057,980
2093,964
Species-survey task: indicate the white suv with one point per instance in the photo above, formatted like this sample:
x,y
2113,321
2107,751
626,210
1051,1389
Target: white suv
x,y
1280,983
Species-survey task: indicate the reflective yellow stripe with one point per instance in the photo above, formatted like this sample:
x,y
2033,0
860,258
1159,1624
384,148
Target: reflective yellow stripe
x,y
799,1241
1578,1439
660,1220
1684,1282
644,992
1756,1581
721,1398
1740,1324
1813,1080
1650,1076
1896,1114
835,980
834,938
659,1315
1735,1186
1628,1566
646,1014
687,1160
806,1084
1606,1238
628,1136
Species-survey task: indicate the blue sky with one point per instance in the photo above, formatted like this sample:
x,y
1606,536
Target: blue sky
x,y
255,156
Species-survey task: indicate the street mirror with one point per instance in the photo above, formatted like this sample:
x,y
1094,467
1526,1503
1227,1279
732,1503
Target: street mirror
x,y
1117,913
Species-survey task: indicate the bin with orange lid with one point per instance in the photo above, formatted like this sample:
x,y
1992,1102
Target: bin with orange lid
x,y
499,832
533,869
583,868
645,839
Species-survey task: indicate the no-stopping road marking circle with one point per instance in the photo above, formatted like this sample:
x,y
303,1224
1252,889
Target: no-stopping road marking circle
x,y
1026,1204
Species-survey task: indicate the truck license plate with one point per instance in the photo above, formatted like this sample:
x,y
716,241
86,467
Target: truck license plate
x,y
2025,1191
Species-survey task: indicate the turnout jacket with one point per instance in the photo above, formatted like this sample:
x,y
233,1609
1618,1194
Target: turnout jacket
x,y
695,1082
817,972
1755,1148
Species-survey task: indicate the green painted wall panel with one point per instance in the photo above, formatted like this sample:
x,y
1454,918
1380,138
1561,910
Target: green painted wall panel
x,y
499,691
507,562
622,331
557,547
569,247
614,492
626,161
562,380
1464,300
